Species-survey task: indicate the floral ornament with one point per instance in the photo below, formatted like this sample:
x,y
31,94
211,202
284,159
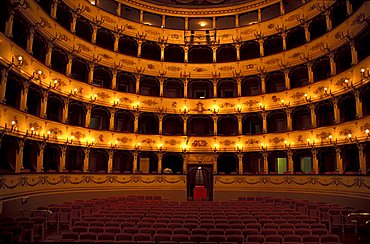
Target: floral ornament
x,y
345,132
276,140
103,95
171,142
199,143
101,138
275,99
149,102
78,135
323,135
299,138
124,139
127,61
251,103
252,142
320,89
174,68
298,95
227,142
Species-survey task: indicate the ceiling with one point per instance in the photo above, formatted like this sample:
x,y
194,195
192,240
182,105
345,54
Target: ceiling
x,y
198,3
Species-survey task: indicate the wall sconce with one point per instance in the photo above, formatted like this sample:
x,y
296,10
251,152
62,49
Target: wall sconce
x,y
367,131
93,97
137,146
91,142
116,102
351,138
53,84
160,148
74,92
264,147
365,73
47,135
287,145
307,98
185,110
37,74
239,147
327,92
114,145
136,106
32,133
347,83
284,104
185,148
331,141
14,125
70,140
262,106
17,61
214,110
310,144
238,108
215,147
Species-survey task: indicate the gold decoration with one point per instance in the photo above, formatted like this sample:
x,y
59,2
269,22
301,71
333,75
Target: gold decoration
x,y
199,143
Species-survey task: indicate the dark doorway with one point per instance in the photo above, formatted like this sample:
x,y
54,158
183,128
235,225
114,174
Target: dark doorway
x,y
201,176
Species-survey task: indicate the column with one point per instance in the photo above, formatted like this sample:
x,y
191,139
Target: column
x,y
259,15
114,79
186,54
240,125
91,73
110,161
265,163
185,88
313,116
362,158
40,158
185,164
237,21
69,65
93,36
336,111
290,161
264,122
141,16
162,51
88,115
289,119
215,163
73,23
48,54
160,117
339,160
237,47
161,81
263,83
185,119
86,160
287,79
358,105
283,35
136,122
4,79
111,121
160,155
62,164
24,94
44,104
214,117
214,87
30,40
65,110
315,161
137,85
349,7
282,9
240,160
139,43
214,23
307,33
116,41
239,83
310,72
186,23
353,52
54,7
118,10
214,50
262,50
328,21
333,67
134,166
163,24
19,157
9,24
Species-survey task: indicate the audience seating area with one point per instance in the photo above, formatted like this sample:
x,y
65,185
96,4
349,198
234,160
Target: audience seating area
x,y
150,219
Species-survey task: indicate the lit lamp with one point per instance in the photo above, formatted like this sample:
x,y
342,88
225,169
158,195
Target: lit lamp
x,y
262,106
114,145
364,73
160,147
116,102
47,135
136,106
284,104
37,74
351,138
263,147
215,148
70,140
14,125
215,110
310,144
308,99
90,143
239,147
287,145
54,84
367,131
185,110
93,97
185,148
238,108
17,61
137,146
348,83
74,92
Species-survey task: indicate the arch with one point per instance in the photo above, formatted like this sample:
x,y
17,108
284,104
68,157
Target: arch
x,y
153,162
31,151
251,86
200,89
173,125
275,82
227,125
295,37
200,54
64,16
252,124
126,82
365,98
100,117
98,161
34,98
76,113
324,113
124,121
327,160
123,162
317,27
253,163
149,86
39,48
343,58
302,161
226,53
54,108
361,45
321,69
173,88
52,158
338,13
276,121
200,125
350,159
150,50
227,88
105,38
8,153
128,46
174,53
80,70
273,44
14,90
227,163
249,50
173,161
4,15
102,77
277,162
148,123
84,29
298,76
74,159
301,118
347,107
20,31
59,60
